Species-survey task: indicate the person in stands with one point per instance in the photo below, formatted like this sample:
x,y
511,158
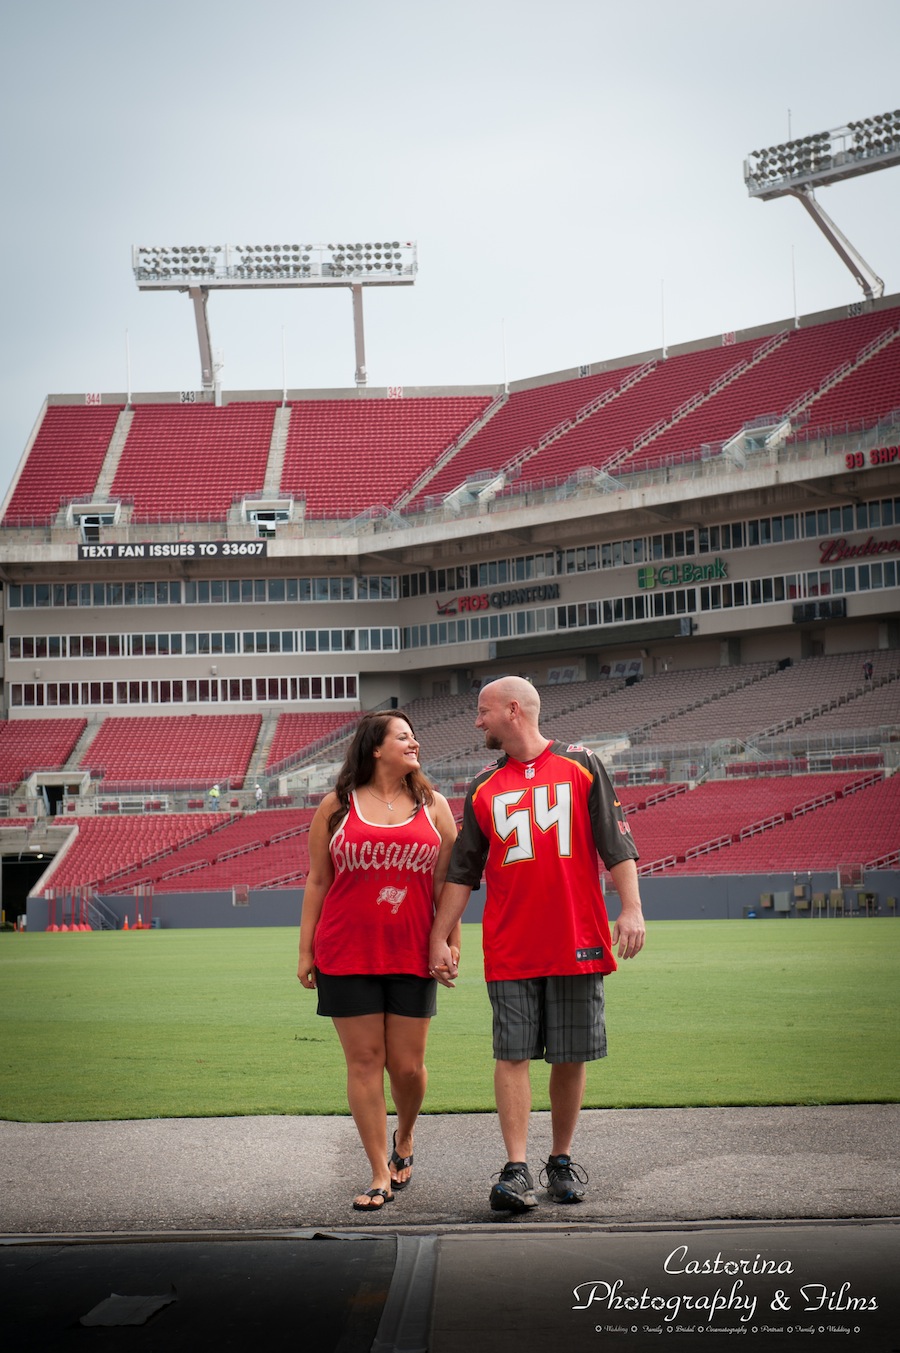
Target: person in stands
x,y
379,846
534,824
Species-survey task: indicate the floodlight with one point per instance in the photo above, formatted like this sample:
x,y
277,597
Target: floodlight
x,y
794,168
201,268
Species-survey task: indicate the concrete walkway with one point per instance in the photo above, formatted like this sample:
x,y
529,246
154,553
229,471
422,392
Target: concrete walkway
x,y
248,1221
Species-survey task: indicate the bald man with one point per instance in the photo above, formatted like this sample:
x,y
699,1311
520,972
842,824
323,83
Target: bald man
x,y
534,826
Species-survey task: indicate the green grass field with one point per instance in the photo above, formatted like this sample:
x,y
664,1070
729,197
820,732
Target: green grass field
x,y
195,1023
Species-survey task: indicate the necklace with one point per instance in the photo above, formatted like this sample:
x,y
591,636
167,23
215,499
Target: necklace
x,y
389,803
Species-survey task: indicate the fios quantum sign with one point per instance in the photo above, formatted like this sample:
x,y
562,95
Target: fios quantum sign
x,y
498,601
676,575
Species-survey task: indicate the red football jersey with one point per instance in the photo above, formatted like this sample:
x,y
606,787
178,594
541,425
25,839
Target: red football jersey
x,y
535,831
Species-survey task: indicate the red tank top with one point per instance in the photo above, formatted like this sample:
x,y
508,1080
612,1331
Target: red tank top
x,y
377,914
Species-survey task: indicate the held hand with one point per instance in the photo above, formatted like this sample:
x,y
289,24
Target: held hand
x,y
629,933
443,963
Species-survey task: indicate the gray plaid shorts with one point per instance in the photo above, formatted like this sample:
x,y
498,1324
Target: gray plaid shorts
x,y
558,1018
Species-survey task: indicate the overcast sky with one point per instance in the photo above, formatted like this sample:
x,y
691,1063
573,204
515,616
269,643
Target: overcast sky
x,y
571,171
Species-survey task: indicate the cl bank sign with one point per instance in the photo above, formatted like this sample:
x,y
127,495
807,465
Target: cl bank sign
x,y
676,575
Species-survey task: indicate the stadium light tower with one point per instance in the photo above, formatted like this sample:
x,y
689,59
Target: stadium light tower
x,y
795,168
201,268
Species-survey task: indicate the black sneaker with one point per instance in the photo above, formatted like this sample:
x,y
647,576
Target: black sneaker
x,y
514,1189
563,1179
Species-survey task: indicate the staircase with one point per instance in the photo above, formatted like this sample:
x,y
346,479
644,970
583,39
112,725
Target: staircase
x,y
425,478
89,732
110,464
99,915
256,769
277,447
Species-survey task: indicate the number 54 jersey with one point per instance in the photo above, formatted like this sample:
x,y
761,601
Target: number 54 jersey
x,y
534,831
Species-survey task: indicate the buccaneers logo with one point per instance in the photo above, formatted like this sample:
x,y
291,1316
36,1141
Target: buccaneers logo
x,y
393,896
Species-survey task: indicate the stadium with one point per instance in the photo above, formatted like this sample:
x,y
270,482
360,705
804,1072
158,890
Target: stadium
x,y
692,552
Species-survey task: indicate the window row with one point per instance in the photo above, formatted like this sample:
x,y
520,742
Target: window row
x,y
463,577
202,592
666,545
218,643
653,605
224,690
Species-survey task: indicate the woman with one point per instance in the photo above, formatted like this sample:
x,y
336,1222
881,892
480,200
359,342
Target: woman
x,y
379,847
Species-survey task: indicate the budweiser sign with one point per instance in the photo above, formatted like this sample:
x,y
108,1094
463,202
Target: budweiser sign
x,y
835,551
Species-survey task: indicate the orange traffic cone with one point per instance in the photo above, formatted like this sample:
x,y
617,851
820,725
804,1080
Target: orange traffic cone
x,y
125,924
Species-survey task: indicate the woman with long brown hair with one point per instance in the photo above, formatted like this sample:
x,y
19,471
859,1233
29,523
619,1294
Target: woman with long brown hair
x,y
379,846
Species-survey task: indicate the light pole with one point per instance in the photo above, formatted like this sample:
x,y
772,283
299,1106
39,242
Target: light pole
x,y
198,269
795,167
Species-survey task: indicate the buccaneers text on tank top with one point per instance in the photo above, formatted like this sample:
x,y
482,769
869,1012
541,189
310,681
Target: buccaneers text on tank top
x,y
377,914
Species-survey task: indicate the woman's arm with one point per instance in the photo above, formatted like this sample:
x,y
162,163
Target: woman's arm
x,y
318,881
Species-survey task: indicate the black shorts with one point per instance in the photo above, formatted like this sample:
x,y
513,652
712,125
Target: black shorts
x,y
388,994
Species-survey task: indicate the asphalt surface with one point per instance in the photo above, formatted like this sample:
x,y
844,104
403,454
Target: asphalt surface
x,y
701,1228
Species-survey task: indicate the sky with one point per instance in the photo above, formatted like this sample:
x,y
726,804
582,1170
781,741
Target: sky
x,y
572,174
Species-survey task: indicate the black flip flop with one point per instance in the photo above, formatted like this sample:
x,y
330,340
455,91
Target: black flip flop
x,y
400,1163
373,1206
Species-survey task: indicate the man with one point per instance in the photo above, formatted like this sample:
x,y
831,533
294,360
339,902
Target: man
x,y
534,824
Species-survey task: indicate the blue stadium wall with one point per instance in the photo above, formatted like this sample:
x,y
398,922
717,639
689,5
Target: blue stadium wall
x,y
688,898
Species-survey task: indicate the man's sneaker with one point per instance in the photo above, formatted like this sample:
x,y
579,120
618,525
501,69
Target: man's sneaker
x,y
563,1179
514,1189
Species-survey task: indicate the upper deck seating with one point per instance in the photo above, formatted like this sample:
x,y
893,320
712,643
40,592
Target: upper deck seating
x,y
653,400
346,455
860,399
795,368
64,462
177,750
526,417
190,462
27,745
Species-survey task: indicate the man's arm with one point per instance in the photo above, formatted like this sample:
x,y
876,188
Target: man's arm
x,y
628,931
451,904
